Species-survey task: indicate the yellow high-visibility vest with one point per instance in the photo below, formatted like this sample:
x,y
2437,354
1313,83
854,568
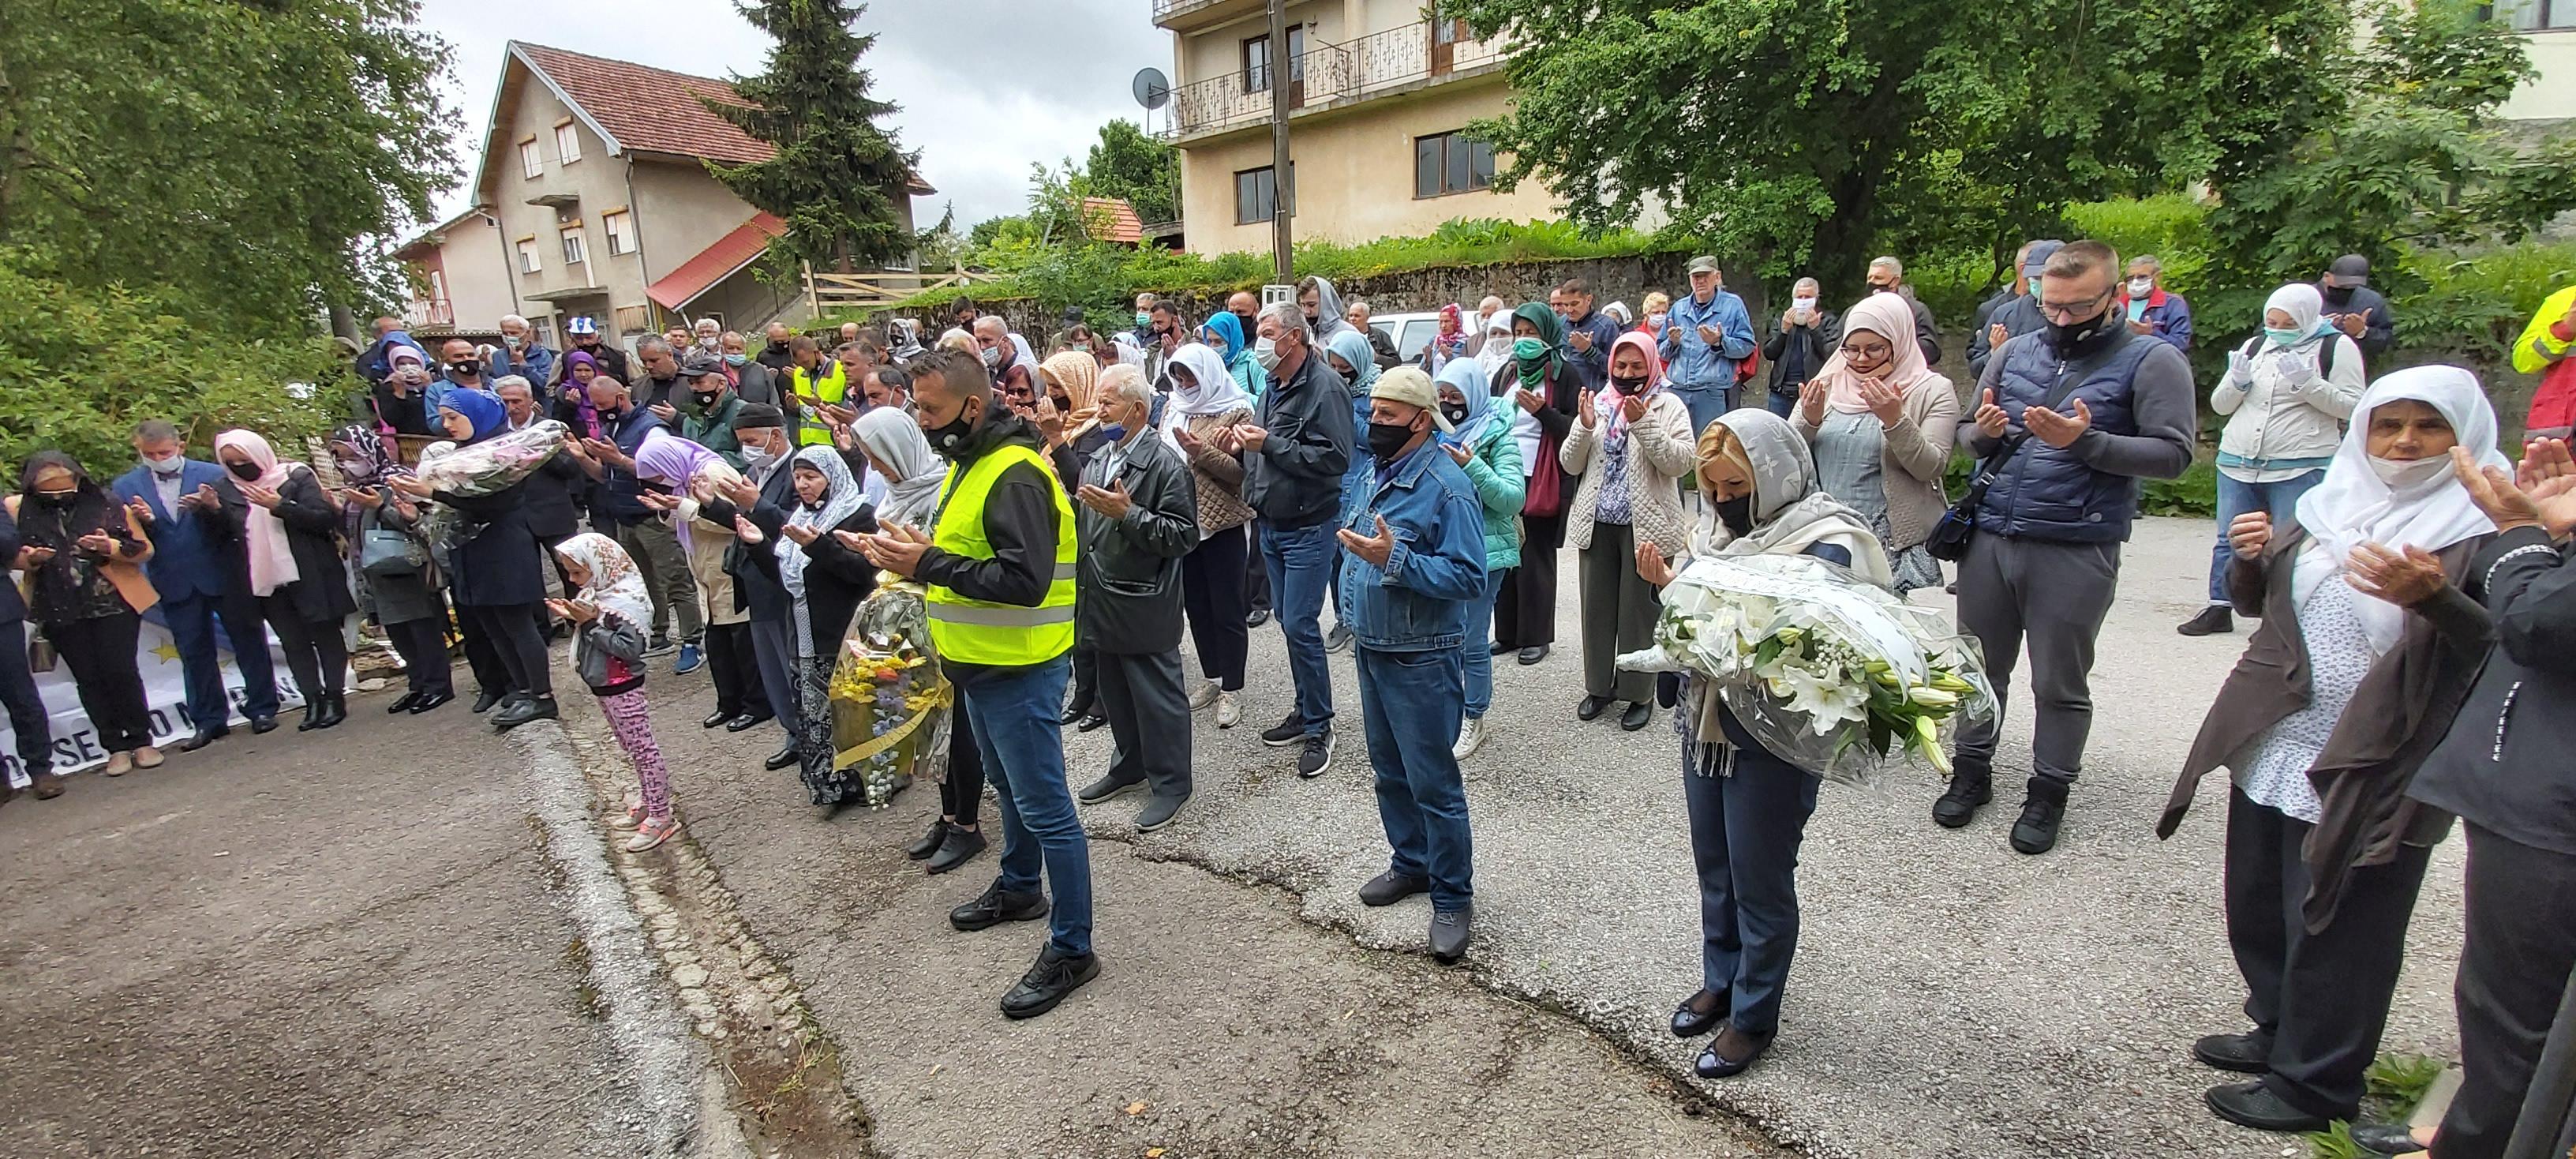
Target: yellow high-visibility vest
x,y
832,387
979,631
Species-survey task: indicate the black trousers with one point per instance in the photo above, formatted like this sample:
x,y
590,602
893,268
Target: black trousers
x,y
2514,967
512,630
27,716
961,795
1149,719
1256,574
422,644
482,656
100,653
1213,600
315,653
2321,998
1086,679
735,670
1525,608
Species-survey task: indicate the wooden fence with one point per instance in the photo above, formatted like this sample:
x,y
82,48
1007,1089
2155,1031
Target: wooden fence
x,y
827,293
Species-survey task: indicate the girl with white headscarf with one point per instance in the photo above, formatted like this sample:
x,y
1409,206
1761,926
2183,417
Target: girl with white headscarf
x,y
1749,808
826,578
2287,393
610,616
2366,648
1480,441
1207,398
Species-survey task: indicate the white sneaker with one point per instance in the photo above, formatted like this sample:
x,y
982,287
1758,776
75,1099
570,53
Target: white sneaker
x,y
652,833
1227,711
1471,736
1203,695
629,817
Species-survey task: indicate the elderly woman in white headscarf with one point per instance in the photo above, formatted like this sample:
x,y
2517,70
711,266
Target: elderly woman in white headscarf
x,y
2287,393
1749,808
2366,649
1207,398
827,578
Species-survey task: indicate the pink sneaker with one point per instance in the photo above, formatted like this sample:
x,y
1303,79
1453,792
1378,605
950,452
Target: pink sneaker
x,y
630,818
652,833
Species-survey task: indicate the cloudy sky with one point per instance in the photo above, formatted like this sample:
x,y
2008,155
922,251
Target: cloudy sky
x,y
986,86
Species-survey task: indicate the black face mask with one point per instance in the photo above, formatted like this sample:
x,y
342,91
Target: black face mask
x,y
707,398
950,439
656,488
2074,339
1387,440
244,471
1736,514
1063,404
469,368
2338,295
1628,385
1455,412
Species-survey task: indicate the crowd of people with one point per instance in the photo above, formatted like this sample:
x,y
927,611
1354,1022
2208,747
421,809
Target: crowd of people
x,y
1072,517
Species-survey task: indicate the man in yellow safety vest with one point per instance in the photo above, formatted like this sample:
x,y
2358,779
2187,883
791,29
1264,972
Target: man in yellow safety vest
x,y
999,564
813,383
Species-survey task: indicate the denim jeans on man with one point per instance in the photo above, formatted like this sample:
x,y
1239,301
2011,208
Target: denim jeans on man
x,y
1299,561
1017,714
2237,497
1410,703
1477,651
1705,403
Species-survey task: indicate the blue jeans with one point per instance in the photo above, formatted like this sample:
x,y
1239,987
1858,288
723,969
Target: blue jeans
x,y
1782,405
1477,649
1300,563
1016,713
1421,800
1745,832
1705,403
2236,497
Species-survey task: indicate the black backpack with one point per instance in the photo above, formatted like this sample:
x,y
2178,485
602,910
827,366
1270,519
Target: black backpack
x,y
2325,353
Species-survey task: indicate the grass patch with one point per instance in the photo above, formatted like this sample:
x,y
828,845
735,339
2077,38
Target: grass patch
x,y
2396,1086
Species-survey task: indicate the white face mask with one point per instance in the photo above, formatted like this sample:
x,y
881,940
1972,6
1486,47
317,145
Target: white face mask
x,y
2402,475
2141,287
1802,303
1266,352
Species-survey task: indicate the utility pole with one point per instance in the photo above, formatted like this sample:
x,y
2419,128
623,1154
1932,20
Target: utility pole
x,y
1283,189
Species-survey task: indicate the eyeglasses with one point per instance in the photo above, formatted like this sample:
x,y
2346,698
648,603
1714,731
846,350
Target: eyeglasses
x,y
2062,312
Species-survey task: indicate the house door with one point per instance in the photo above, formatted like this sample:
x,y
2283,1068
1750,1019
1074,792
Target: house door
x,y
1446,32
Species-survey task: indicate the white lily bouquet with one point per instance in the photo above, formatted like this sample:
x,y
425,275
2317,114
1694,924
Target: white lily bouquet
x,y
1833,674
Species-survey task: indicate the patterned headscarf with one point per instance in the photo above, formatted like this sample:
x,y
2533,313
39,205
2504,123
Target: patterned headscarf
x,y
615,586
842,498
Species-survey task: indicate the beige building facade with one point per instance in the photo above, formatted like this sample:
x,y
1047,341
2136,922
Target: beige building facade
x,y
2548,29
1381,96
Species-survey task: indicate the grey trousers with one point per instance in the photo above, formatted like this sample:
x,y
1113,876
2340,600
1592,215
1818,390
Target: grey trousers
x,y
773,647
1149,720
2051,596
657,553
1618,613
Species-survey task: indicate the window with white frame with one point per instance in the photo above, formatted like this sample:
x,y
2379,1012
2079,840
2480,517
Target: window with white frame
x,y
567,143
572,248
529,261
621,231
532,165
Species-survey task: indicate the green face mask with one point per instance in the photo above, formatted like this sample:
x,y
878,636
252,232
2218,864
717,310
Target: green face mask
x,y
2283,338
1531,354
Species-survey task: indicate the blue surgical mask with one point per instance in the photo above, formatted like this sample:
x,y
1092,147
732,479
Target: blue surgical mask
x,y
2283,338
2034,287
166,468
1144,318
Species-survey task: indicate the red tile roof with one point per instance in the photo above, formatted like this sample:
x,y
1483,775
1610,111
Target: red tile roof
x,y
715,263
1111,219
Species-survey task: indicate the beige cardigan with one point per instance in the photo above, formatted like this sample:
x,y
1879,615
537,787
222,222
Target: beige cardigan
x,y
1664,455
1912,456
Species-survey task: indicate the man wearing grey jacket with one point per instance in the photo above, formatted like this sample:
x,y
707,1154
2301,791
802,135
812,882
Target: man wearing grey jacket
x,y
2068,419
1138,517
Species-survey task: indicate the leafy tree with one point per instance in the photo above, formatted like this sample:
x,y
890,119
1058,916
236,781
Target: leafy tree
x,y
1806,135
837,173
940,247
243,158
1126,163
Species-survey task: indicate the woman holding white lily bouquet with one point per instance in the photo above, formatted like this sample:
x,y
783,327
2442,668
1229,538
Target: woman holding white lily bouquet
x,y
1748,806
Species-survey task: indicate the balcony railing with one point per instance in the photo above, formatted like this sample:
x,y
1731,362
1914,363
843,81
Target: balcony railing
x,y
1331,74
429,312
1166,9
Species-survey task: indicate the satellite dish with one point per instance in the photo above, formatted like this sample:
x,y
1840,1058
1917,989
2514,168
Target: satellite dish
x,y
1151,88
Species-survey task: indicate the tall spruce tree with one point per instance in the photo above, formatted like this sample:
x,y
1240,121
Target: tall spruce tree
x,y
836,175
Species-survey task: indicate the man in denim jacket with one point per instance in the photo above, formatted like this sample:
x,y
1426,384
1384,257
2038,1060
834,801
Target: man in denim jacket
x,y
1416,562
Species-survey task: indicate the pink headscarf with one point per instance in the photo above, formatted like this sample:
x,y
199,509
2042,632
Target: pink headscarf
x,y
1608,404
272,561
1887,316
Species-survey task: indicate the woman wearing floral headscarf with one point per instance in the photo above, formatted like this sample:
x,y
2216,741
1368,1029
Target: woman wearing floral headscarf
x,y
1449,343
1632,445
291,528
1543,396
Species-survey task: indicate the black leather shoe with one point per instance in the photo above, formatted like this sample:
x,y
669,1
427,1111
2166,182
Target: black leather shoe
x,y
1592,708
335,708
960,847
1049,980
2254,1105
1639,712
1256,618
1451,930
2249,1053
993,907
312,716
785,756
2036,832
431,701
746,722
527,709
1076,711
929,842
402,703
1970,789
1391,887
202,738
485,698
1105,788
1089,722
1730,1053
1699,1014
263,724
716,718
2389,1139
2214,620
1498,648
1533,654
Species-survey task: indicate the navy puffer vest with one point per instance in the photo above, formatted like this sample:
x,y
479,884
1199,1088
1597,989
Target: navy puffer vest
x,y
2048,493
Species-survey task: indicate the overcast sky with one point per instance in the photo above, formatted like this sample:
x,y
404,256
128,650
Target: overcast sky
x,y
985,86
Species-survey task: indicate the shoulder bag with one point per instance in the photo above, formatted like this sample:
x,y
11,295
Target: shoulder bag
x,y
1958,525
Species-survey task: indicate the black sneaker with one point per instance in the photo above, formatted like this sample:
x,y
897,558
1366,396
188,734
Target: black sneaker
x,y
993,907
2249,1053
960,847
1391,887
1049,980
2214,620
1286,733
1318,757
2036,832
1339,639
1160,811
1972,784
659,645
1105,788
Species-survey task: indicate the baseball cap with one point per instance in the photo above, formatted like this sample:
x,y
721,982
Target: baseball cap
x,y
1408,384
581,325
1704,264
2350,270
2039,255
700,364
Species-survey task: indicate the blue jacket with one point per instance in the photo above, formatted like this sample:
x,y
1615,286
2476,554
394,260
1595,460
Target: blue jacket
x,y
2065,495
536,364
1692,364
2167,316
187,563
1592,367
1418,601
